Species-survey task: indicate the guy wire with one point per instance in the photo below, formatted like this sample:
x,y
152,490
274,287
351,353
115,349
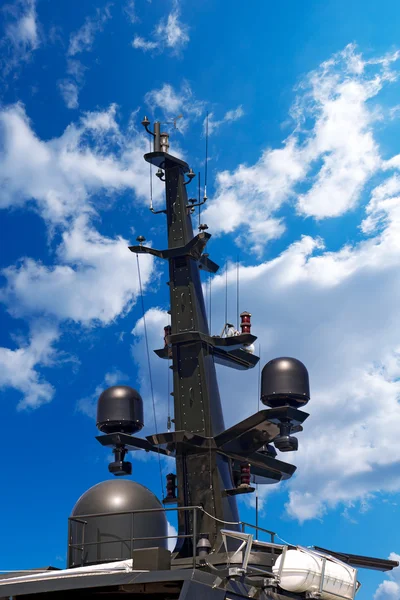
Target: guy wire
x,y
226,293
259,378
205,168
209,280
237,291
151,182
199,201
209,417
168,395
150,374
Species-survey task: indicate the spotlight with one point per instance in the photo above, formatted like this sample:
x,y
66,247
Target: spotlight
x,y
120,467
284,441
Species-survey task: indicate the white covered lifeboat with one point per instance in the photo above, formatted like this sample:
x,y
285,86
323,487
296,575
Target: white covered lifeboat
x,y
322,576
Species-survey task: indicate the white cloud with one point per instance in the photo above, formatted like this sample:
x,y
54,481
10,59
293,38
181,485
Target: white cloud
x,y
102,122
172,541
170,33
139,42
82,40
384,205
229,117
21,34
332,158
390,588
71,85
89,285
250,195
130,11
61,175
340,105
18,368
76,69
70,92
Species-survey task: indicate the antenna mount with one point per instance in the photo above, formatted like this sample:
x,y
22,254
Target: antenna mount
x,y
156,135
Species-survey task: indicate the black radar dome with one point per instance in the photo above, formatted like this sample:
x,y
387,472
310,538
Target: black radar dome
x,y
284,381
97,518
120,408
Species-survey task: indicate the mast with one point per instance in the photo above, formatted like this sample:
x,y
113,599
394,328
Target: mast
x,y
202,474
213,465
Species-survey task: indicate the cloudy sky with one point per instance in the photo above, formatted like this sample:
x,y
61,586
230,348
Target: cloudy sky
x,y
304,192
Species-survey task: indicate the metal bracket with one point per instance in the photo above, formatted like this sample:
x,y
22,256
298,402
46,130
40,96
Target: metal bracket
x,y
131,442
193,249
229,351
247,541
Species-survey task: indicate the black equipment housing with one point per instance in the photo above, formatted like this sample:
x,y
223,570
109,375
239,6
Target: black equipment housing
x,y
120,408
284,381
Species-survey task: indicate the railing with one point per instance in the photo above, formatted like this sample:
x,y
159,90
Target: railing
x,y
257,528
194,536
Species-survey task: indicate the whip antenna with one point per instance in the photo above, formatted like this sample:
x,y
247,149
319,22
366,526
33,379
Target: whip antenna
x,y
199,202
226,293
151,182
258,410
237,291
205,168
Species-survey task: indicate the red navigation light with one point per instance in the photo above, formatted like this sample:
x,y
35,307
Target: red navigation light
x,y
245,322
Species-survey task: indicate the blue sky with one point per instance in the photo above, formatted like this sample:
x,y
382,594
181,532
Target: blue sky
x,y
303,187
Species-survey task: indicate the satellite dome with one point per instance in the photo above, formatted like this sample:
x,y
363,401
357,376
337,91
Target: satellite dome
x,y
120,409
95,519
284,381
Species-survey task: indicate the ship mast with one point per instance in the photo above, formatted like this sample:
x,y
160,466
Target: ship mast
x,y
202,474
213,465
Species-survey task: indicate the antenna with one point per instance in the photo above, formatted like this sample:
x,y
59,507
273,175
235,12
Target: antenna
x,y
151,182
258,410
226,292
237,291
205,168
161,144
199,203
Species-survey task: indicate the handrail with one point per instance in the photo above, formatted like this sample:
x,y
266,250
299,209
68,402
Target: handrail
x,y
83,519
139,510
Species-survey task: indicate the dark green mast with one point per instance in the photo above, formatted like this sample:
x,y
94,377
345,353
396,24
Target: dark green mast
x,y
213,465
206,476
202,475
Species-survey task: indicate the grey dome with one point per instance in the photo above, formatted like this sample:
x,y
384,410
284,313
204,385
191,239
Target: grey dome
x,y
104,499
115,495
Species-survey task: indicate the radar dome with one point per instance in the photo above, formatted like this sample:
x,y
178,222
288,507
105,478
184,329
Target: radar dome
x,y
284,381
120,409
99,533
